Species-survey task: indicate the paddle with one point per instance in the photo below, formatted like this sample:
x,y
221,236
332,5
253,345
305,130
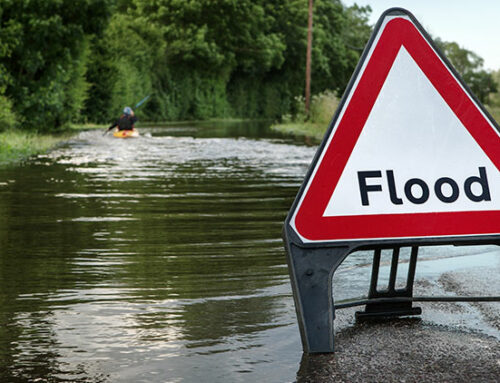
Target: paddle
x,y
142,101
135,107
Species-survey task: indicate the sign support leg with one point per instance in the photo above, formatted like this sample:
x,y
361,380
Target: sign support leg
x,y
311,273
386,308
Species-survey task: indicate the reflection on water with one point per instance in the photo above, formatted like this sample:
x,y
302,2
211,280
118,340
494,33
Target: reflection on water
x,y
155,259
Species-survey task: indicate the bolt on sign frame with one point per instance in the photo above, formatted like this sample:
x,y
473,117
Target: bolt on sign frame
x,y
411,158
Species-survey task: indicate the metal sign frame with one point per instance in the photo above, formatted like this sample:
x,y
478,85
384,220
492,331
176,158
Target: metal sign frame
x,y
313,264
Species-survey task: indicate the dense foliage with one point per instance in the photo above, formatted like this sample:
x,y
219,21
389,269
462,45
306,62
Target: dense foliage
x,y
67,61
204,59
43,54
82,60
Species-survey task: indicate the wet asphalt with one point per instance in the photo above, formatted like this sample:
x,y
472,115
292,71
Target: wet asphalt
x,y
448,342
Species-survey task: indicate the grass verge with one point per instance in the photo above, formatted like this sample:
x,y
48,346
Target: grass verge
x,y
322,109
302,129
314,127
16,145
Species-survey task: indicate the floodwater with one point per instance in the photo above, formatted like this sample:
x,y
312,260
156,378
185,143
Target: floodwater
x,y
160,259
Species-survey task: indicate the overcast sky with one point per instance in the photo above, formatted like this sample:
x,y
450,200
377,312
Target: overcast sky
x,y
473,24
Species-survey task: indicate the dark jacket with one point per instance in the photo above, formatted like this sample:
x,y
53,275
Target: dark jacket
x,y
125,122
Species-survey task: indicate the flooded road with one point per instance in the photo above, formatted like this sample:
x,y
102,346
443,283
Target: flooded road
x,y
160,259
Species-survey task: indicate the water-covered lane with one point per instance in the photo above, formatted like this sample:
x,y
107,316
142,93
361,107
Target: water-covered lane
x,y
160,259
154,259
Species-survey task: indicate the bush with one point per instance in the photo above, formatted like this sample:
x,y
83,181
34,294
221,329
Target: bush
x,y
43,54
259,96
7,116
323,107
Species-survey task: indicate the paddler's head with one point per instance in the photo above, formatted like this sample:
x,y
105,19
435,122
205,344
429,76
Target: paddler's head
x,y
128,111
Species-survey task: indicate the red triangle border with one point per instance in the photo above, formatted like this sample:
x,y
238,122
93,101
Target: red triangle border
x,y
308,219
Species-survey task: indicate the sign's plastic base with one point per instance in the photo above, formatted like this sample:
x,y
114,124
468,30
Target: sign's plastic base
x,y
371,314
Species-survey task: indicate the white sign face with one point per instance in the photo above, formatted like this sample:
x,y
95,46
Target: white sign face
x,y
410,154
411,133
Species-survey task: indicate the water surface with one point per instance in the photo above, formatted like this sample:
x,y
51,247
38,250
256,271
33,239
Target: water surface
x,y
160,258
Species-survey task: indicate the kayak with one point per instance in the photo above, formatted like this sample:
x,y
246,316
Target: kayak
x,y
126,133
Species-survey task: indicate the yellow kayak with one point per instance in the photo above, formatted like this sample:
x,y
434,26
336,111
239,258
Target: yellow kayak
x,y
126,133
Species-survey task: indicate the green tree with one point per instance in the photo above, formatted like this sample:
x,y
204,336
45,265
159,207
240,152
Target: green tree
x,y
9,32
201,59
340,35
336,50
46,61
206,42
222,34
122,65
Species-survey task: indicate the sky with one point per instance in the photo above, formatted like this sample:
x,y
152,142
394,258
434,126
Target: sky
x,y
473,24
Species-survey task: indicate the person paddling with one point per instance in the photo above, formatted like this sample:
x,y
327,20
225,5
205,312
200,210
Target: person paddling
x,y
126,121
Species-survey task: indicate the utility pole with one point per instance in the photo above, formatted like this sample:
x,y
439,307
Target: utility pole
x,y
308,57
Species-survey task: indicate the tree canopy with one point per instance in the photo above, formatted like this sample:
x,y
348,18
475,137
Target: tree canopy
x,y
67,61
43,57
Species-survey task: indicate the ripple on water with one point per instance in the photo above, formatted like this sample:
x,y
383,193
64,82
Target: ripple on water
x,y
161,258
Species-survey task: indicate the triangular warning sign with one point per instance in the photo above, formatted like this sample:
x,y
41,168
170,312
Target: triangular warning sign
x,y
410,152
